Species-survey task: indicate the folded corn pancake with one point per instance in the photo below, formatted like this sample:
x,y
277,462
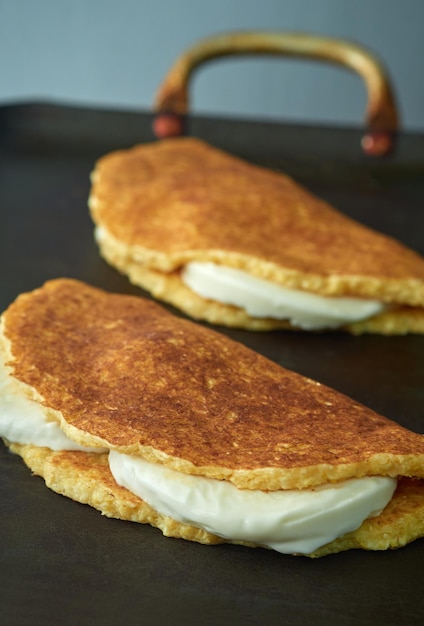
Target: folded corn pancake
x,y
238,245
172,424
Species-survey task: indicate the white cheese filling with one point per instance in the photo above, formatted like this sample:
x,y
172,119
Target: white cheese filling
x,y
286,521
23,420
261,298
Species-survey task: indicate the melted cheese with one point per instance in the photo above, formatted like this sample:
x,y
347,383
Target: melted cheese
x,y
261,298
23,420
287,521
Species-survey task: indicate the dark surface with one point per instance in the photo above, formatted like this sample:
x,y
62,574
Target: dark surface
x,y
63,563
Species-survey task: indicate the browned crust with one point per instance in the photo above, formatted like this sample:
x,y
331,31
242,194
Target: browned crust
x,y
121,371
179,200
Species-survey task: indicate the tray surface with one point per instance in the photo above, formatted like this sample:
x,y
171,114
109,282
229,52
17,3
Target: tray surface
x,y
62,562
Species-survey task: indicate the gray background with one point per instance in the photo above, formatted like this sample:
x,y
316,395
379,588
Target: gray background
x,y
115,53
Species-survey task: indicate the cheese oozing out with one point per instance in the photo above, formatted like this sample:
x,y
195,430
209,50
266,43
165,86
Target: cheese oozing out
x,y
261,298
23,420
286,521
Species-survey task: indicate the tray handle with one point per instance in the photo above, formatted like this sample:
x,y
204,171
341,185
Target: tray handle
x,y
172,99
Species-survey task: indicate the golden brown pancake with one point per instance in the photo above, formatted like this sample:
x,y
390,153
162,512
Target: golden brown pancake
x,y
86,478
160,206
120,372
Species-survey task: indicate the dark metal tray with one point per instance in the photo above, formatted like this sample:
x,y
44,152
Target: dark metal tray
x,y
62,562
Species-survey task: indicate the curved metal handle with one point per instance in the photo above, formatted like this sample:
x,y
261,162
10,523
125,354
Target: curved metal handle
x,y
172,100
